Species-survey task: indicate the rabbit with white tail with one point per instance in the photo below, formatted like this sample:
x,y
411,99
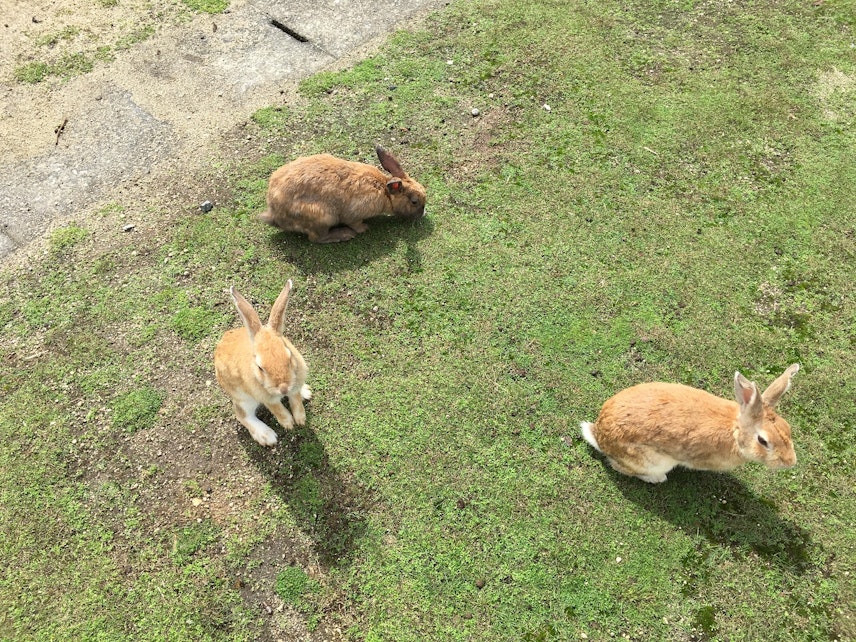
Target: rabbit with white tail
x,y
329,199
648,429
257,365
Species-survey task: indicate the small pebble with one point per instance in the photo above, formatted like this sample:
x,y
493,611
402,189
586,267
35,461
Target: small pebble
x,y
129,227
475,112
206,206
547,108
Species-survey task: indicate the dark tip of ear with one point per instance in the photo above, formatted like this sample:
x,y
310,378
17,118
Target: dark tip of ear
x,y
379,150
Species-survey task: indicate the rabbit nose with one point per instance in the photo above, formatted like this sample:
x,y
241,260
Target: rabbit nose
x,y
283,388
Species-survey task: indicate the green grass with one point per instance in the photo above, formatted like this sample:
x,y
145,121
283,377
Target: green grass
x,y
682,210
32,72
51,39
207,6
136,410
138,35
65,237
292,585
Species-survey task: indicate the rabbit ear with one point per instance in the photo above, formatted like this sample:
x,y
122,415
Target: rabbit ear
x,y
780,386
393,186
277,312
245,310
389,162
748,398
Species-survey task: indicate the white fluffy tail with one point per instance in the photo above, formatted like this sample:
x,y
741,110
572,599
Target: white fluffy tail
x,y
588,435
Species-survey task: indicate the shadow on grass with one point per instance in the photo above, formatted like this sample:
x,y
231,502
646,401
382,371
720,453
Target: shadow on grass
x,y
324,505
381,239
725,511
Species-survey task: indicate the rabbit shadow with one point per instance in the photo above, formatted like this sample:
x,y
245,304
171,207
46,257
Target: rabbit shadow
x,y
381,239
325,506
725,511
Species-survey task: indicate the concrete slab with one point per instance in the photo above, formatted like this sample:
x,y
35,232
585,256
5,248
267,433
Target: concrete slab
x,y
337,26
114,139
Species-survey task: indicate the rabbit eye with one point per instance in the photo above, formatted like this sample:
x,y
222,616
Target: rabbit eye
x,y
763,442
414,200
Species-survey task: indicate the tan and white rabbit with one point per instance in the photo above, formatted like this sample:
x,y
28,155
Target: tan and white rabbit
x,y
648,429
329,199
256,365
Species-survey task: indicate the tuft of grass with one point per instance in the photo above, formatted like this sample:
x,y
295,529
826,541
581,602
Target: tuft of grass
x,y
207,6
50,40
72,64
293,585
705,621
194,322
32,72
271,117
191,540
66,66
66,237
136,410
136,36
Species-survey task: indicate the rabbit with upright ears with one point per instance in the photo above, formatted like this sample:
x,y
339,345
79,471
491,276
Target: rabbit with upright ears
x,y
648,429
329,199
256,365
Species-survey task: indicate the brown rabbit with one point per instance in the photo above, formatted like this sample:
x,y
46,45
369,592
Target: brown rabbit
x,y
329,199
256,365
648,429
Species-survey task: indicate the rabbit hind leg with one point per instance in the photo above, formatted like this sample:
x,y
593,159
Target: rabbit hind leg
x,y
644,463
333,235
245,412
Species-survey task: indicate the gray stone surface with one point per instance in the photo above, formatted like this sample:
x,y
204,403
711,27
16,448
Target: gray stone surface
x,y
115,139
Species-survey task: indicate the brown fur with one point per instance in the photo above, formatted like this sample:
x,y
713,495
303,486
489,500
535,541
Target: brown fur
x,y
329,199
648,429
256,365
